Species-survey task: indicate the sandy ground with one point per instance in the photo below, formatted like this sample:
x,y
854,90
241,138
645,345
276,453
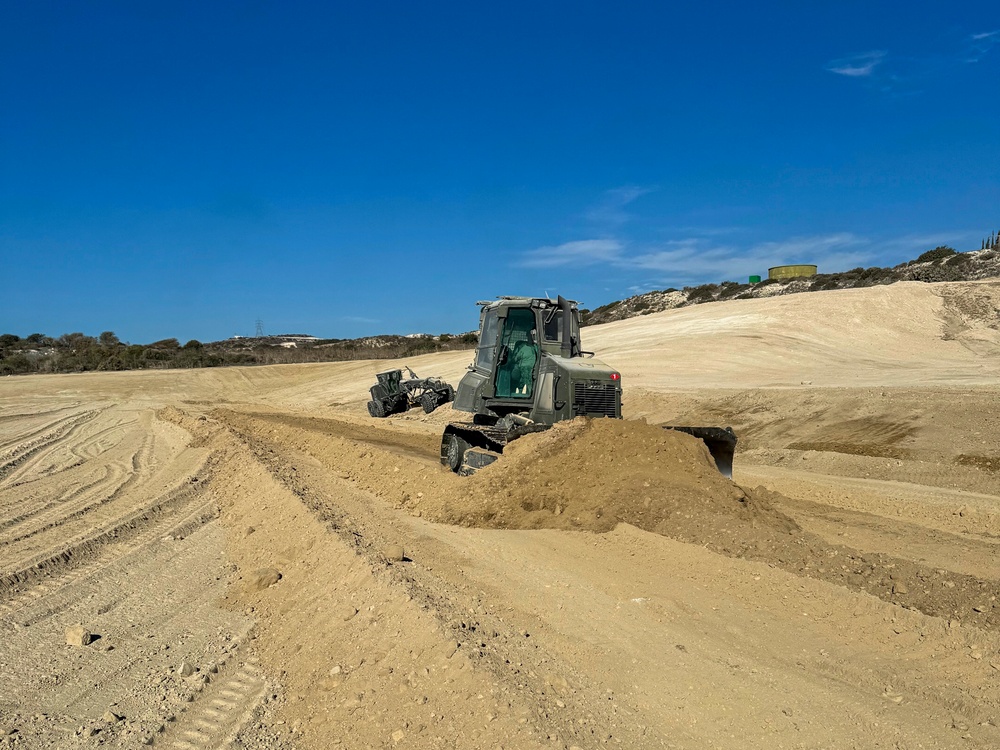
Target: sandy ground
x,y
263,565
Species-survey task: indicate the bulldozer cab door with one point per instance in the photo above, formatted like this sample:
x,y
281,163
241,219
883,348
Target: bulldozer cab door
x,y
517,355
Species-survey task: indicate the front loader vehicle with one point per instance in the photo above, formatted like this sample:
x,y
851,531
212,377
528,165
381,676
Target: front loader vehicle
x,y
530,372
392,394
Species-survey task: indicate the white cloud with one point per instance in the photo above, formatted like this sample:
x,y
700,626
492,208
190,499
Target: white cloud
x,y
581,252
698,259
980,44
685,261
857,66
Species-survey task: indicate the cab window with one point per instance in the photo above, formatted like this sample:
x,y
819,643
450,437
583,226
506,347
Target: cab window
x,y
553,326
487,342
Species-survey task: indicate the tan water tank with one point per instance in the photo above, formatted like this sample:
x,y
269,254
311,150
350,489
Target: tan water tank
x,y
790,272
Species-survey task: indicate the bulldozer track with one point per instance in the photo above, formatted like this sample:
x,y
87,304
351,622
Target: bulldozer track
x,y
67,511
423,448
59,590
221,710
87,546
32,446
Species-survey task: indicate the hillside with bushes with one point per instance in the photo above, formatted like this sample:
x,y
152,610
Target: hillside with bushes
x,y
77,352
940,264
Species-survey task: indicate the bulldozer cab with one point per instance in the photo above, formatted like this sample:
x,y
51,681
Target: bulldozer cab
x,y
517,355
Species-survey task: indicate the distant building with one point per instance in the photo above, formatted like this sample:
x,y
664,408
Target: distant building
x,y
791,272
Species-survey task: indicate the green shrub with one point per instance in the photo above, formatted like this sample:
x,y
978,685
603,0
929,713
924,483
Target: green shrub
x,y
938,253
703,293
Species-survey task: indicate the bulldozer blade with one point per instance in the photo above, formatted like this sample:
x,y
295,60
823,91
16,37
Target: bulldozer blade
x,y
721,443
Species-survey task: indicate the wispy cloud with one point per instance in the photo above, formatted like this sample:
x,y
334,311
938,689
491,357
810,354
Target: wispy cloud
x,y
979,44
697,259
903,75
580,252
857,66
610,210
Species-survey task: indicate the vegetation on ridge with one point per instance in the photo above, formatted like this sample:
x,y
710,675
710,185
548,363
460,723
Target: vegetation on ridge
x,y
940,264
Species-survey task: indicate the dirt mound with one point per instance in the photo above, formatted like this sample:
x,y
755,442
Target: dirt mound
x,y
593,474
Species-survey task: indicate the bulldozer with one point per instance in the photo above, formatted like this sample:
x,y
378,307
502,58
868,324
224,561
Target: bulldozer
x,y
529,372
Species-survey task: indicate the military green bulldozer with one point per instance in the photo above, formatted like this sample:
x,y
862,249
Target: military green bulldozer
x,y
530,371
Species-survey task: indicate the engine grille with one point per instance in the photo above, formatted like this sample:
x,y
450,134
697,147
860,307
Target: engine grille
x,y
595,399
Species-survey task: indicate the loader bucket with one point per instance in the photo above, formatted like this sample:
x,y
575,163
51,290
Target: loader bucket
x,y
721,443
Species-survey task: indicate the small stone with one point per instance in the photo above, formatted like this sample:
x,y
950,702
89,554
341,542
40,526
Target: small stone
x,y
77,635
249,530
111,717
398,735
349,612
900,588
263,578
395,553
185,669
336,669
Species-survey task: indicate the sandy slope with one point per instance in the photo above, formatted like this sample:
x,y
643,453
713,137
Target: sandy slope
x,y
842,593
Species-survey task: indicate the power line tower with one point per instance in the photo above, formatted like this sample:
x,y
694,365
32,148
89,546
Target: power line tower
x,y
260,329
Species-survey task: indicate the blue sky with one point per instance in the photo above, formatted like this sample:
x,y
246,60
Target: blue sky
x,y
344,169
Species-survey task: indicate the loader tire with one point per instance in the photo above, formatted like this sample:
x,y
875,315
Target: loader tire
x,y
429,401
376,409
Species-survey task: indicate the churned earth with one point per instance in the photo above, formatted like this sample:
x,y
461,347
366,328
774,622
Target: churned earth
x,y
260,564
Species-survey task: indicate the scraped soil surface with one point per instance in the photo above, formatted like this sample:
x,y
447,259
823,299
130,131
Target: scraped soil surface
x,y
262,565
